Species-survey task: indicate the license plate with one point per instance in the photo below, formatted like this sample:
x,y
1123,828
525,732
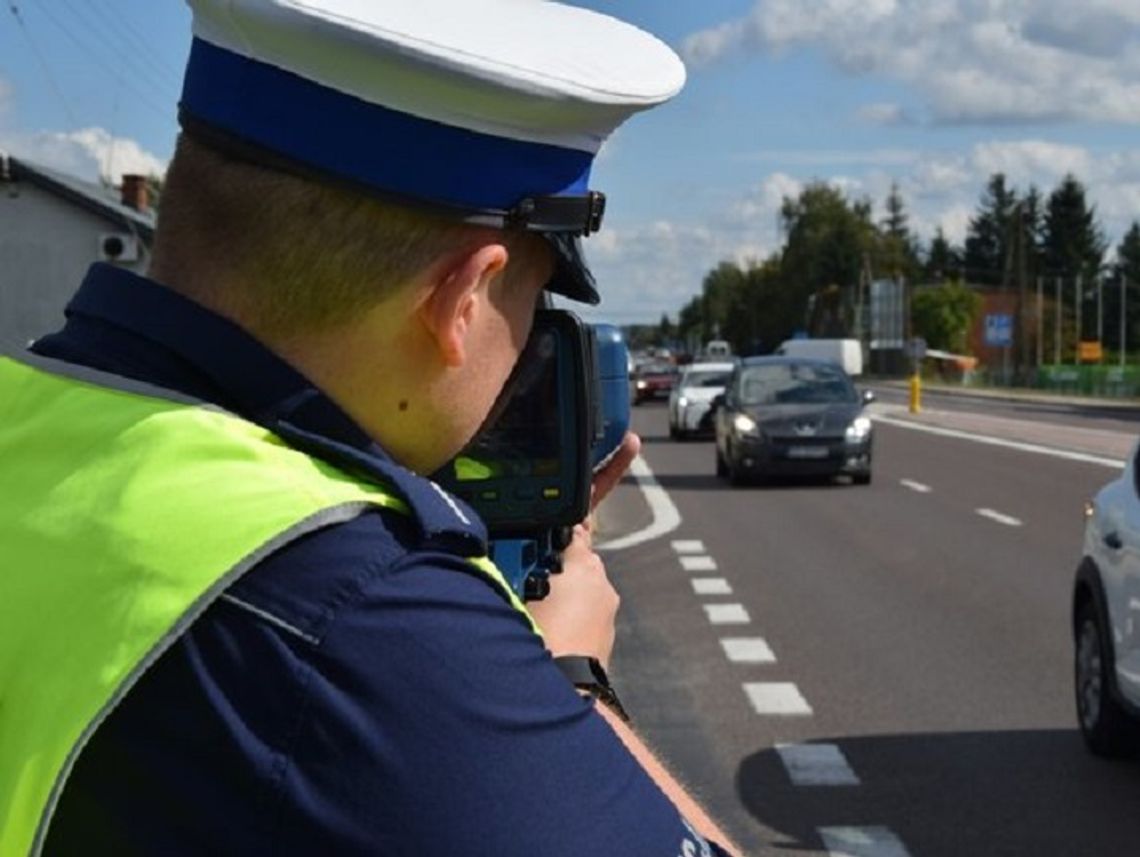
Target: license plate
x,y
807,452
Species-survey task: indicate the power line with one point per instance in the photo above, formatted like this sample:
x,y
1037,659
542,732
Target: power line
x,y
147,69
142,43
43,62
167,112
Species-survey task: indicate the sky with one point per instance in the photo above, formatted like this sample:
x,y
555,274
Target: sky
x,y
934,95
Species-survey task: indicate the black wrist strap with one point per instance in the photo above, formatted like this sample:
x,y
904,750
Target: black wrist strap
x,y
588,674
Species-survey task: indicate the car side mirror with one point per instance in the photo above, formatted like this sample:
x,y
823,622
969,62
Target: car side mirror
x,y
868,396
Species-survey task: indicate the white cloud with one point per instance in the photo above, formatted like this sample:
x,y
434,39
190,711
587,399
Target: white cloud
x,y
834,157
89,153
971,60
883,113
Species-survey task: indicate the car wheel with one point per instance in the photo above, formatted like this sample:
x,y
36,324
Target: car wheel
x,y
1107,728
721,467
862,478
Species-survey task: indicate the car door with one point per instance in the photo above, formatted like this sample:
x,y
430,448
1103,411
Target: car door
x,y
1119,552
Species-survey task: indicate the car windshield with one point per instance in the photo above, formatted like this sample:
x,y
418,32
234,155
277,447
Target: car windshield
x,y
795,383
705,378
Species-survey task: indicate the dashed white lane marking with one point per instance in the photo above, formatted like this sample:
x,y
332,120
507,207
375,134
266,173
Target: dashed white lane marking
x,y
862,842
997,441
747,650
666,518
711,586
698,563
816,765
1008,520
777,698
915,486
727,614
689,546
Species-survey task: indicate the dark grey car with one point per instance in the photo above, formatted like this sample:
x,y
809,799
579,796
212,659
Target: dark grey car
x,y
792,417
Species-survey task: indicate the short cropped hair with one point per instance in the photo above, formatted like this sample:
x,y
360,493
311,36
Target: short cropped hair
x,y
308,255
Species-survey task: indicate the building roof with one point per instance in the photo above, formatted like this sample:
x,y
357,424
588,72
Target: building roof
x,y
95,198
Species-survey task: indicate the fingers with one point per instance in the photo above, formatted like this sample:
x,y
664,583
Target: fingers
x,y
610,475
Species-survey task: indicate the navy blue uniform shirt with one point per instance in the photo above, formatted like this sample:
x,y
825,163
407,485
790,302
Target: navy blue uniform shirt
x,y
364,690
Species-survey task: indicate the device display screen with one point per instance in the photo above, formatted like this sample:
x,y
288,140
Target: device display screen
x,y
525,438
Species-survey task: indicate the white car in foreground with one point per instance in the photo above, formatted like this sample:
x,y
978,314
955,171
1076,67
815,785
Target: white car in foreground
x,y
691,399
1106,618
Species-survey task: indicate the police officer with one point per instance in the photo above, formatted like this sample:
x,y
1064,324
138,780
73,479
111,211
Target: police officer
x,y
235,617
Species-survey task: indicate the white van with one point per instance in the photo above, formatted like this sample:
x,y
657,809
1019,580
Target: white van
x,y
848,353
716,348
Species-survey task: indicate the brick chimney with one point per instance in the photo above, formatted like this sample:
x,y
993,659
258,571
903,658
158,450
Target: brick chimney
x,y
135,193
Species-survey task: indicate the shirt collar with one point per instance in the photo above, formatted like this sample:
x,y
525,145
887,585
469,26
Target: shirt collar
x,y
244,376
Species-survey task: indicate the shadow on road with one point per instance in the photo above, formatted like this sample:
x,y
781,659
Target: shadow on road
x,y
973,794
711,482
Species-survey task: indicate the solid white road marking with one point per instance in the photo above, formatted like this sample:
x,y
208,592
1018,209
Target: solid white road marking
x,y
727,614
747,650
777,698
666,518
997,441
915,486
711,586
698,563
862,842
816,765
689,546
1008,520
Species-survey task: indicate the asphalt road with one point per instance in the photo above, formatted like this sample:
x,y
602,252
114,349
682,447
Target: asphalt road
x,y
897,673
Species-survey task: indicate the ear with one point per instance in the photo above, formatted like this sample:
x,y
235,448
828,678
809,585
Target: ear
x,y
456,297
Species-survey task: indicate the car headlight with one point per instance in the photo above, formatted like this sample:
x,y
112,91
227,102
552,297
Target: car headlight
x,y
744,424
641,385
682,402
859,429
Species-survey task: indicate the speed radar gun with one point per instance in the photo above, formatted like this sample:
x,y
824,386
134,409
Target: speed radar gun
x,y
528,472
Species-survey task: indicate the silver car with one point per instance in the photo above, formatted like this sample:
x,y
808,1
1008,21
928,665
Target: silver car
x,y
1106,618
691,400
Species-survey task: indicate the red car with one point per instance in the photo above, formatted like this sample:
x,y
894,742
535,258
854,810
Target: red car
x,y
653,381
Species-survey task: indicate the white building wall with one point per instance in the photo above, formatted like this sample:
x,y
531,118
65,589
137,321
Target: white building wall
x,y
46,246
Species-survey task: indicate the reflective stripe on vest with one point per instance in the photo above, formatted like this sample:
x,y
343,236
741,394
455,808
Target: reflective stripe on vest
x,y
123,515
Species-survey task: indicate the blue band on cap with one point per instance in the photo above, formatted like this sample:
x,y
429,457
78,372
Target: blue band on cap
x,y
385,149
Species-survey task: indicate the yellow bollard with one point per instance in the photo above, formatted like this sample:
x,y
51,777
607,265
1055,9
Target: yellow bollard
x,y
915,393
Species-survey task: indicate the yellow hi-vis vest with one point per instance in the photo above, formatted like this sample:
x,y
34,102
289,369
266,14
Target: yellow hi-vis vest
x,y
124,511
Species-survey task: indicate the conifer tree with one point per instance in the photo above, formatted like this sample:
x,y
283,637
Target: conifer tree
x,y
988,235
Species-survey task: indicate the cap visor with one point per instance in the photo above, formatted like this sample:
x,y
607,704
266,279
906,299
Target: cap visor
x,y
572,278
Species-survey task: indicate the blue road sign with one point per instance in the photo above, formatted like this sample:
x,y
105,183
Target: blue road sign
x,y
999,330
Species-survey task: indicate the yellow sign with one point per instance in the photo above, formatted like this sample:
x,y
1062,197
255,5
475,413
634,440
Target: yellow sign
x,y
1090,352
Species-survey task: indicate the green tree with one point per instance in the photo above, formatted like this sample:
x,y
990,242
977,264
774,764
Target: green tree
x,y
1128,254
1127,266
1074,244
943,315
943,260
987,237
897,248
827,238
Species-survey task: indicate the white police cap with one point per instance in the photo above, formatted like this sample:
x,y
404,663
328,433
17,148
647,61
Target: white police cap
x,y
489,110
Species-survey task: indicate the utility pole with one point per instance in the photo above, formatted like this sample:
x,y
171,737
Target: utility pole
x,y
1123,315
1078,298
1100,314
1040,322
1058,311
1022,302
